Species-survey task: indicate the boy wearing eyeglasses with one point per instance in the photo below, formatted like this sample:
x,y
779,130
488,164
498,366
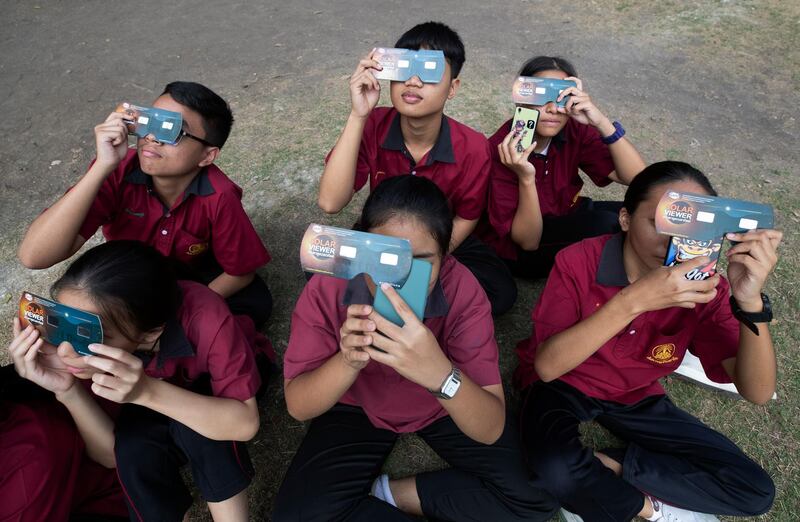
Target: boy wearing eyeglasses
x,y
172,197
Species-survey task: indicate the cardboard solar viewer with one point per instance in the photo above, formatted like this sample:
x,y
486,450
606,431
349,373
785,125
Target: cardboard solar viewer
x,y
58,323
345,254
698,224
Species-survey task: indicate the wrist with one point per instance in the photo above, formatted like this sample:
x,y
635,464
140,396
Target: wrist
x,y
356,118
526,178
68,395
147,392
750,306
438,377
626,304
605,127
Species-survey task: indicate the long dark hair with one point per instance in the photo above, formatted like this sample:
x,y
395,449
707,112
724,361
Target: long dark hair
x,y
131,283
662,173
410,196
538,64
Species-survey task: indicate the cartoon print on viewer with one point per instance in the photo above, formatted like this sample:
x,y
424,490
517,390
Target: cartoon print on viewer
x,y
686,249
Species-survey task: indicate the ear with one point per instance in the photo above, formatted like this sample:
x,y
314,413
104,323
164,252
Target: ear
x,y
210,155
152,336
455,83
624,219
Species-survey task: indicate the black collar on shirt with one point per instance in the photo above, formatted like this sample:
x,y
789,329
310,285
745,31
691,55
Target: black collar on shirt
x,y
172,344
357,292
442,150
200,185
558,140
611,269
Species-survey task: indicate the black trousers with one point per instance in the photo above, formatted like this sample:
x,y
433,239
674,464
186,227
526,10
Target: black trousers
x,y
590,219
151,448
491,272
671,455
330,476
254,300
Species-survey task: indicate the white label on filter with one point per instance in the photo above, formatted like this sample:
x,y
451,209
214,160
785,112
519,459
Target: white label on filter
x,y
143,120
348,251
388,258
705,217
430,65
541,90
167,125
748,224
402,64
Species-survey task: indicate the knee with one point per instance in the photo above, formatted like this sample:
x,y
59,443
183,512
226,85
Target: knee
x,y
761,494
296,508
558,471
505,295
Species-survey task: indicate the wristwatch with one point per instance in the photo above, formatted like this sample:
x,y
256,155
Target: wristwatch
x,y
619,132
749,319
449,386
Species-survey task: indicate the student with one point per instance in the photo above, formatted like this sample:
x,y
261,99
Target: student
x,y
413,136
45,472
175,358
610,322
172,197
535,207
362,381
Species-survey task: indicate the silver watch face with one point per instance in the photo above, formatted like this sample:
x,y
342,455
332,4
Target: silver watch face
x,y
451,386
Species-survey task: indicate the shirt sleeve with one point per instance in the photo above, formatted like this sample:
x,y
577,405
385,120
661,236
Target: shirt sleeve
x,y
314,335
367,152
231,363
477,167
594,158
235,243
470,343
106,203
503,197
717,335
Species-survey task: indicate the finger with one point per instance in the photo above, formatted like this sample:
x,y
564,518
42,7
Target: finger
x,y
750,264
385,343
107,365
501,151
117,354
688,266
526,154
358,356
577,80
354,324
381,357
20,344
400,306
16,327
354,341
508,138
106,393
33,350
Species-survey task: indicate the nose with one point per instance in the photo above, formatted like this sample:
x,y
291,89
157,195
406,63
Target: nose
x,y
152,139
550,108
414,81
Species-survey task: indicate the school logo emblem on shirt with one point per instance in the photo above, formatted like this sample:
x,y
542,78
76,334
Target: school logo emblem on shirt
x,y
197,249
663,354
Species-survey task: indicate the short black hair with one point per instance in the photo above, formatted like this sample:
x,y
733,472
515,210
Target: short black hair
x,y
410,197
538,64
216,113
130,282
438,36
659,174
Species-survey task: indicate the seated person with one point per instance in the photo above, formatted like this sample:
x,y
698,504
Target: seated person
x,y
362,381
610,322
172,197
176,360
413,136
535,208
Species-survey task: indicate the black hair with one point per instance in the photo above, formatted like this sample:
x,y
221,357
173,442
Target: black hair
x,y
216,113
410,197
538,64
438,36
131,283
662,173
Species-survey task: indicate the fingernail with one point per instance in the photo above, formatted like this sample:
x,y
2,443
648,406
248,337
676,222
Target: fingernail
x,y
385,286
730,235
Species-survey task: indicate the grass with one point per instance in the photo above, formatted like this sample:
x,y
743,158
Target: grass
x,y
742,58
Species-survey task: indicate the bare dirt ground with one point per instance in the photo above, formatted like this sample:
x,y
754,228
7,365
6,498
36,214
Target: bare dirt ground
x,y
712,83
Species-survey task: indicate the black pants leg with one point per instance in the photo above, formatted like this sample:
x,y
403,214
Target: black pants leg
x,y
678,459
485,482
558,461
671,455
592,218
151,448
491,272
331,473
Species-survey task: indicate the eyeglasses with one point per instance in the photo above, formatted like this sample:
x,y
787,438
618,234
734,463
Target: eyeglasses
x,y
180,137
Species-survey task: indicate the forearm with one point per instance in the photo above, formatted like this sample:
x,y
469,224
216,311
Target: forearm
x,y
566,350
526,227
226,285
461,229
95,427
755,368
338,177
216,418
627,161
480,414
51,238
313,393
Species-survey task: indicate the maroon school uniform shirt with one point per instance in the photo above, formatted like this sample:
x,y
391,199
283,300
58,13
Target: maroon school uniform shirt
x,y
458,163
205,339
626,369
558,183
458,314
207,220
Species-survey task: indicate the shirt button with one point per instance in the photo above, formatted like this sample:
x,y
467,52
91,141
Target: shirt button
x,y
413,172
164,232
168,214
632,332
